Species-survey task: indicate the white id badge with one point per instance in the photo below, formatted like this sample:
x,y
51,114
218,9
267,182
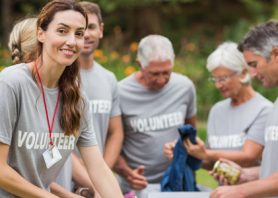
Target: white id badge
x,y
51,156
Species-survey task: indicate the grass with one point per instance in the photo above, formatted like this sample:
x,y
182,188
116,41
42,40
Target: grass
x,y
202,176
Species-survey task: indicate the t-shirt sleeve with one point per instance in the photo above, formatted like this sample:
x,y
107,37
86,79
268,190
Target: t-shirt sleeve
x,y
8,111
210,127
115,106
87,134
256,130
192,106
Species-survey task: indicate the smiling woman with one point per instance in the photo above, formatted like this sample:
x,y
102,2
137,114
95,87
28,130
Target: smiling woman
x,y
45,112
64,40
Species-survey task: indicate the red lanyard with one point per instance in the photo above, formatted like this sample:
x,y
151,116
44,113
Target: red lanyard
x,y
50,126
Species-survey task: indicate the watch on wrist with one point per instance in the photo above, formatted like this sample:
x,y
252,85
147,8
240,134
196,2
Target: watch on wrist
x,y
85,192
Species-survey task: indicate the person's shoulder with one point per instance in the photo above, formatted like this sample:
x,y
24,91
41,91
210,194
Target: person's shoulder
x,y
9,70
181,82
105,72
127,80
181,79
14,73
261,100
128,85
103,69
15,76
220,105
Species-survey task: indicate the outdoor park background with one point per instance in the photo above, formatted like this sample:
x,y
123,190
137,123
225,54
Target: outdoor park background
x,y
195,27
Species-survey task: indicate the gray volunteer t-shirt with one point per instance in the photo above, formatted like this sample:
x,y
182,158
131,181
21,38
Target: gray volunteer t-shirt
x,y
151,118
100,86
269,161
24,128
64,178
229,126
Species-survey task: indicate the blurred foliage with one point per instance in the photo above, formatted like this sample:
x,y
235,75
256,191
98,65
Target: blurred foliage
x,y
195,27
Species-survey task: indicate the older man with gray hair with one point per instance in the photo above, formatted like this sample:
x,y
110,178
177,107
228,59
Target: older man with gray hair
x,y
260,50
154,101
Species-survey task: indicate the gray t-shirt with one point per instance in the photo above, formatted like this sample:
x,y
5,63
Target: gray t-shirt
x,y
151,118
24,128
269,160
64,178
100,86
229,126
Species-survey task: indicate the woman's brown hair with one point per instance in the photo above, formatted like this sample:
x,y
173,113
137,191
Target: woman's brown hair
x,y
69,82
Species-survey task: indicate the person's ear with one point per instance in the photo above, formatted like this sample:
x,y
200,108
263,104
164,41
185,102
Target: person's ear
x,y
274,53
101,27
41,35
139,64
245,77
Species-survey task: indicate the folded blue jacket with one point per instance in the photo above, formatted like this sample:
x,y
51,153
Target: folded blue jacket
x,y
180,174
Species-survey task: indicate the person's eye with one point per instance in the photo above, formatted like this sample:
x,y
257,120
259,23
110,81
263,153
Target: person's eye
x,y
79,33
254,65
224,78
155,74
62,31
91,26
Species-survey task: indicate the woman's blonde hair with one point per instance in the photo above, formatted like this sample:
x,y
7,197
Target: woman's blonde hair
x,y
23,41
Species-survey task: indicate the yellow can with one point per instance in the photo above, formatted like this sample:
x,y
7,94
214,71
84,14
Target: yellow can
x,y
229,172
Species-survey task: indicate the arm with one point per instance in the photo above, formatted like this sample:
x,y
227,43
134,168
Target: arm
x,y
80,174
62,192
246,174
168,148
122,167
114,141
99,173
191,121
248,156
266,187
249,174
14,183
135,177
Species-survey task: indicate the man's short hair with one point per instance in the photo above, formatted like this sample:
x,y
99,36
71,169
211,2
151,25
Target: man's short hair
x,y
261,39
92,8
155,48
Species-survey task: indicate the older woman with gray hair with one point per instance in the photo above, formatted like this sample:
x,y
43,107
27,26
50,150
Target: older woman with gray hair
x,y
236,124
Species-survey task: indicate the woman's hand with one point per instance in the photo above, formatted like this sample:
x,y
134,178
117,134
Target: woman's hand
x,y
197,150
223,181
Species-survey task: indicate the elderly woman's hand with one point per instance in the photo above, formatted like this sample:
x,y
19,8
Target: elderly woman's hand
x,y
223,181
197,150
